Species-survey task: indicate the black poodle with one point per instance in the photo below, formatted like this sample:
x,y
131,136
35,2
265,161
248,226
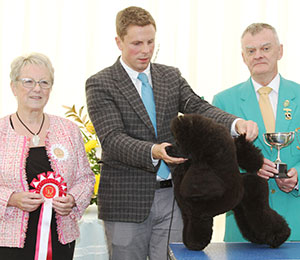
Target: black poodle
x,y
209,183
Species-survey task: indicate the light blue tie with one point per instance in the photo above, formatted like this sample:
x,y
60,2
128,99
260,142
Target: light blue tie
x,y
149,103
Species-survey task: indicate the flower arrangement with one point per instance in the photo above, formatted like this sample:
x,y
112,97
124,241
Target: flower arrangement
x,y
91,143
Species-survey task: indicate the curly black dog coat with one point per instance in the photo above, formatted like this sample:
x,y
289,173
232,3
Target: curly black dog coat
x,y
209,183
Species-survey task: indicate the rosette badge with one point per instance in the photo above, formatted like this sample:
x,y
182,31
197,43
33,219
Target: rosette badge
x,y
49,185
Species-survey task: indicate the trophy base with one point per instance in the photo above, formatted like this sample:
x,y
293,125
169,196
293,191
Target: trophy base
x,y
282,170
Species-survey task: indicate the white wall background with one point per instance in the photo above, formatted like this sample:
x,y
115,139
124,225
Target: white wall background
x,y
200,37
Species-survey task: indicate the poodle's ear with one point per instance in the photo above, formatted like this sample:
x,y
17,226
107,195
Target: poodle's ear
x,y
174,151
249,156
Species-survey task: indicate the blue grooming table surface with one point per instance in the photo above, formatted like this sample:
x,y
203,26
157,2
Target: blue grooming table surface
x,y
236,251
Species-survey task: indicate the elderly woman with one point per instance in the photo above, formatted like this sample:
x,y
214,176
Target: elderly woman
x,y
33,142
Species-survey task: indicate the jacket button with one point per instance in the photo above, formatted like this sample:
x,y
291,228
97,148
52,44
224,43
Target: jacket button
x,y
273,191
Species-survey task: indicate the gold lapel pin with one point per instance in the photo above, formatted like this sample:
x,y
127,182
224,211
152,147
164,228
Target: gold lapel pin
x,y
286,103
287,113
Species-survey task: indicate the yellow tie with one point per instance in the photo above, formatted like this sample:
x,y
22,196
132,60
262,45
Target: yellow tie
x,y
266,109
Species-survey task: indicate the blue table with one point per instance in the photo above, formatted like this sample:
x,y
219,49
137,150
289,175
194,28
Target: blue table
x,y
235,251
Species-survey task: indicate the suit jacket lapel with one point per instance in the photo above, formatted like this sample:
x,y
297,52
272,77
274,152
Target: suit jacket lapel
x,y
160,89
251,110
127,88
286,103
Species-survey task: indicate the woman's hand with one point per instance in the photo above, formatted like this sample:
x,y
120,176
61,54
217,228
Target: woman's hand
x,y
27,201
63,205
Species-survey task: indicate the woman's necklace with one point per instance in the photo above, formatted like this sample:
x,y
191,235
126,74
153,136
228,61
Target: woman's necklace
x,y
36,138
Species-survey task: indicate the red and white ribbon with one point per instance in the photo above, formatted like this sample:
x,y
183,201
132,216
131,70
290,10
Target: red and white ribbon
x,y
49,185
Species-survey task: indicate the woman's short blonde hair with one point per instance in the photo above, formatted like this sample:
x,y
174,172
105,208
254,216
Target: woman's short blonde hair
x,y
33,58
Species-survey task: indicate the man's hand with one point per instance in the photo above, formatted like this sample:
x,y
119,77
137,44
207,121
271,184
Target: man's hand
x,y
285,184
63,205
249,128
27,201
159,152
288,184
267,170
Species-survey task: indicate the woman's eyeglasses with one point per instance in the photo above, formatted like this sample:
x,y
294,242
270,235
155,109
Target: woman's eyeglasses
x,y
31,83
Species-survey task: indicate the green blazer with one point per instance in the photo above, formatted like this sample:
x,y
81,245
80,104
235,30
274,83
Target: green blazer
x,y
241,101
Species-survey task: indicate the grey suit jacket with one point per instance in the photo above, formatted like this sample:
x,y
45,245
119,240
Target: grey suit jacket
x,y
123,126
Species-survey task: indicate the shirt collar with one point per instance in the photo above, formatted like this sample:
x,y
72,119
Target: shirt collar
x,y
132,73
274,84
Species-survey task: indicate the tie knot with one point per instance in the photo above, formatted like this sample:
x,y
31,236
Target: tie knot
x,y
264,90
143,77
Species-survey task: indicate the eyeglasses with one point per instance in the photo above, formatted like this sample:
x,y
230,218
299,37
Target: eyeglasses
x,y
31,83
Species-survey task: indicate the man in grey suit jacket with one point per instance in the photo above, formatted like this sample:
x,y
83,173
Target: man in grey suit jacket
x,y
138,206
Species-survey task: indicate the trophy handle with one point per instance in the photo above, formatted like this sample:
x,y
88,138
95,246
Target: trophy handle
x,y
267,142
296,131
292,138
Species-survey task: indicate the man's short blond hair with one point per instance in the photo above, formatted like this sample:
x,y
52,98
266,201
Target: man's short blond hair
x,y
132,16
256,28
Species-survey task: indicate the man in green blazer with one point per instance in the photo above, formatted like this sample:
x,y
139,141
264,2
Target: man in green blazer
x,y
261,52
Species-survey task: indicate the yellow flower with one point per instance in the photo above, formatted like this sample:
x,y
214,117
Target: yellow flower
x,y
91,144
89,126
97,176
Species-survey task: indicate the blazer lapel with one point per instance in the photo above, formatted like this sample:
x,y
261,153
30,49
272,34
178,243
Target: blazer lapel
x,y
160,89
249,104
286,104
251,111
127,88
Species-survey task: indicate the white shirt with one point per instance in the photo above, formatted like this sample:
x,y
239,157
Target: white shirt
x,y
134,74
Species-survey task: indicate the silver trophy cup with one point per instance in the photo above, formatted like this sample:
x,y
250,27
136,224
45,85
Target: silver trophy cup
x,y
279,140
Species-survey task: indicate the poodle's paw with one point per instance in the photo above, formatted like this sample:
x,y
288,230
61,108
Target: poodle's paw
x,y
278,233
197,232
